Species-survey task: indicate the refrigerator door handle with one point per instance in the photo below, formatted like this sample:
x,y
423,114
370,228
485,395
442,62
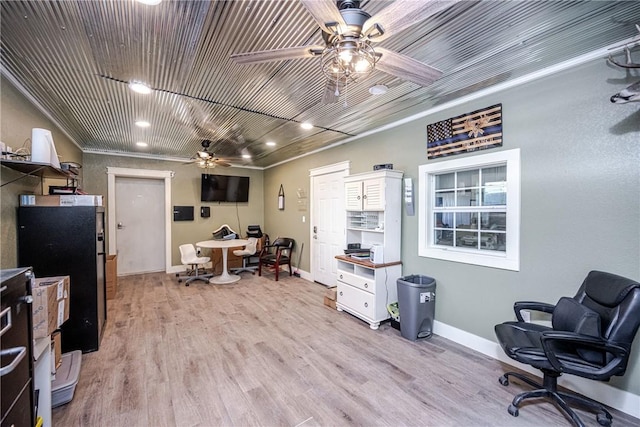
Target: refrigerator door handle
x,y
6,313
18,352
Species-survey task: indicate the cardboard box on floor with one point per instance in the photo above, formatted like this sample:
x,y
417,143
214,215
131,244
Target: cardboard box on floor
x,y
50,304
330,297
112,276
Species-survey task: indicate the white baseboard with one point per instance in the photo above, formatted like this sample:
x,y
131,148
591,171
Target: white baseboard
x,y
602,392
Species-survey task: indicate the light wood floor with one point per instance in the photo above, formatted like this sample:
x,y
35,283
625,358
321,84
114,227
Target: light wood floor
x,y
260,352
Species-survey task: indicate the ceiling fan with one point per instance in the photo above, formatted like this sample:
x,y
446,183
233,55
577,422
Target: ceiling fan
x,y
348,33
206,159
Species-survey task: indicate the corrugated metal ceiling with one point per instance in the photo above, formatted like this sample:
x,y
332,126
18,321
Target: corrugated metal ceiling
x,y
75,58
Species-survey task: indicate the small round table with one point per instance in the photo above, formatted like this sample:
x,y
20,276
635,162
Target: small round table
x,y
225,277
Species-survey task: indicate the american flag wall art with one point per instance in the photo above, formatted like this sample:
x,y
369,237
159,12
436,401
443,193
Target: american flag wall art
x,y
469,132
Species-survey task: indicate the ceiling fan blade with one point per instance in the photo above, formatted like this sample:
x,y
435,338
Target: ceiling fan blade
x,y
402,14
324,12
284,54
406,67
222,163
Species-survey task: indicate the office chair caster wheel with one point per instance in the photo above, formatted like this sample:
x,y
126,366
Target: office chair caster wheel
x,y
503,380
604,419
513,411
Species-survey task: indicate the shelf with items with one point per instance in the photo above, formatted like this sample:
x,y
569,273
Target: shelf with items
x,y
360,220
46,170
42,170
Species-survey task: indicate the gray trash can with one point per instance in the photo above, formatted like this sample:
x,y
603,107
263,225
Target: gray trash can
x,y
417,304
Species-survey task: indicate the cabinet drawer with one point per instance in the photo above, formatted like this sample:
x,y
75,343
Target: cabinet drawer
x,y
360,282
355,299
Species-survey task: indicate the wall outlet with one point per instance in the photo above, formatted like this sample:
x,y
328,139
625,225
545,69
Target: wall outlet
x,y
526,315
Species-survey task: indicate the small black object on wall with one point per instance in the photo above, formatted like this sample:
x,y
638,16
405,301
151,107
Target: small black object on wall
x,y
383,166
205,212
183,213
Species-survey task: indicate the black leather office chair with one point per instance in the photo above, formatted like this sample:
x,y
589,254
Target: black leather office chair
x,y
590,336
276,254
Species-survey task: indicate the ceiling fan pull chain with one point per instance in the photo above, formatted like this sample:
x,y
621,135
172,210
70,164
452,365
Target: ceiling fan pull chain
x,y
346,92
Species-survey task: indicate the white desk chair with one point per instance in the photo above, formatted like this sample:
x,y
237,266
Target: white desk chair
x,y
246,253
188,256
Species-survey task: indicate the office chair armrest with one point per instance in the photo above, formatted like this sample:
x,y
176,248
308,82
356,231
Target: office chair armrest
x,y
265,249
616,365
518,306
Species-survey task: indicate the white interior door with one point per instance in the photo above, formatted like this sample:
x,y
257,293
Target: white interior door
x,y
327,225
140,227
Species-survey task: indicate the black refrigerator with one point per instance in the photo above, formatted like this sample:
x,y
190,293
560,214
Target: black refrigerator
x,y
69,241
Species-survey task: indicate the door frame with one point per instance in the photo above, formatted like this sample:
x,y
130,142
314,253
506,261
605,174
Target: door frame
x,y
344,167
112,174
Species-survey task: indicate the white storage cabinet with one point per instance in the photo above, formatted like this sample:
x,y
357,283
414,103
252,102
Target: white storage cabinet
x,y
373,208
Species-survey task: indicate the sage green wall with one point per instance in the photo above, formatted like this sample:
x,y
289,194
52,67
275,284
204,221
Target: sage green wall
x,y
17,117
580,196
185,191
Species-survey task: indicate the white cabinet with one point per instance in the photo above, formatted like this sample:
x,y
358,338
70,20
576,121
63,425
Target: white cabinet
x,y
373,209
365,289
366,194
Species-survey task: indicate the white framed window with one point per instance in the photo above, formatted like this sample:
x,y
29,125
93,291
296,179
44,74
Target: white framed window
x,y
469,210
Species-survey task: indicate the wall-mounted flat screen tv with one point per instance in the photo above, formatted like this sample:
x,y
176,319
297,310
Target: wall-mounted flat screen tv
x,y
224,188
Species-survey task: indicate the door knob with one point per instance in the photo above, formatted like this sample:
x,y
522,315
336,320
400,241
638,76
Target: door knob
x,y
120,226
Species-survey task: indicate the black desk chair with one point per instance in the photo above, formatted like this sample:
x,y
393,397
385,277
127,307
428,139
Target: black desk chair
x,y
591,337
276,254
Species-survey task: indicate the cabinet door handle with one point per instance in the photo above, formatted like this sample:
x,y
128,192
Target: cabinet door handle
x,y
366,285
340,293
18,352
341,276
366,304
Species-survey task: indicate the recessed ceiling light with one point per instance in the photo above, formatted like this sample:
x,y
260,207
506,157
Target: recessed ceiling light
x,y
149,2
306,125
378,90
139,87
141,144
271,143
246,156
143,124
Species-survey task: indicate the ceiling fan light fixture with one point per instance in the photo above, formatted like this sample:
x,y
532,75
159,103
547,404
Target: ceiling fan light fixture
x,y
206,163
348,59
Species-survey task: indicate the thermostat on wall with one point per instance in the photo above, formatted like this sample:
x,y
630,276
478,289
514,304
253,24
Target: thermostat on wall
x,y
205,211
